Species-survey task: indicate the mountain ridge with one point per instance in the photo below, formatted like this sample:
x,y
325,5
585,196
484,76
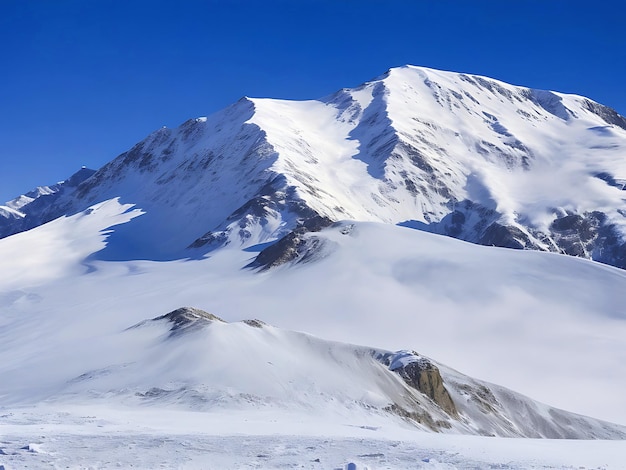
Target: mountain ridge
x,y
455,154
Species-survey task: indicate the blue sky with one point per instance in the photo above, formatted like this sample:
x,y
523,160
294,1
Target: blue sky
x,y
84,80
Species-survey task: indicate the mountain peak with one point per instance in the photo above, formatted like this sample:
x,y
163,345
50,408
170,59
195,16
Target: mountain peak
x,y
451,153
81,175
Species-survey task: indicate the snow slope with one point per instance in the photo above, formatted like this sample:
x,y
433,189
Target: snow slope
x,y
516,318
455,154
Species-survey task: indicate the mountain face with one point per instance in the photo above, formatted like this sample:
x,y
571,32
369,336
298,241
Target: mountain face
x,y
453,154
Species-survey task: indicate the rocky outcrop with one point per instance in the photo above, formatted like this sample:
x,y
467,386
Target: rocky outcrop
x,y
421,374
276,201
588,235
292,246
186,319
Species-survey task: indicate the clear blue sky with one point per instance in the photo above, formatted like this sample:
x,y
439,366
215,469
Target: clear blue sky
x,y
83,80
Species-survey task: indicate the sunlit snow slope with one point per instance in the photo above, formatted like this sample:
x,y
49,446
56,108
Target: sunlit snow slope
x,y
76,329
450,153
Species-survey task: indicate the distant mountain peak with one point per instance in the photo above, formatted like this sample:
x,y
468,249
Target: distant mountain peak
x,y
23,212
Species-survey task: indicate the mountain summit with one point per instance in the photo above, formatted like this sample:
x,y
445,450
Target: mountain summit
x,y
450,153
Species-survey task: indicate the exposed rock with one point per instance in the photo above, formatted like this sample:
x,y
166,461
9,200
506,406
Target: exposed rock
x,y
609,115
506,236
421,417
185,319
276,200
254,323
421,374
483,397
291,246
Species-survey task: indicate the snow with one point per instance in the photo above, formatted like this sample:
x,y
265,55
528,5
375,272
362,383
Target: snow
x,y
520,319
516,318
8,212
51,251
407,147
556,145
402,359
80,385
103,438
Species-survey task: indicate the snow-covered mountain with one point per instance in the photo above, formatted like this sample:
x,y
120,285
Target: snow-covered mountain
x,y
254,365
97,353
454,154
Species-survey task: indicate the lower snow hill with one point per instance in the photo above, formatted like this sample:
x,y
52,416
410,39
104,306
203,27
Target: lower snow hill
x,y
198,361
450,153
546,325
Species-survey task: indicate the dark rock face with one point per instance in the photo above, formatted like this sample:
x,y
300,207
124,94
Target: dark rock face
x,y
254,323
425,377
586,235
292,245
576,233
609,115
276,197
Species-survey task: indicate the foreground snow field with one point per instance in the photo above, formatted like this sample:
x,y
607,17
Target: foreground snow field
x,y
106,438
545,325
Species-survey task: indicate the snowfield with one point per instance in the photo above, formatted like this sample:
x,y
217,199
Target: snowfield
x,y
449,153
105,438
85,366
